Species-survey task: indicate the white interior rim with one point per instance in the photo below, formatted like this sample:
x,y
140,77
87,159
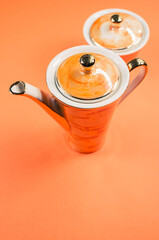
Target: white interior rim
x,y
134,48
55,63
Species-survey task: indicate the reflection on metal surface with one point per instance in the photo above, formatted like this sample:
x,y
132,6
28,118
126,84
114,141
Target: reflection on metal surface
x,y
87,60
137,62
116,18
17,88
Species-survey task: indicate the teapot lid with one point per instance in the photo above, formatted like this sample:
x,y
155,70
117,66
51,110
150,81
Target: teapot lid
x,y
87,76
116,31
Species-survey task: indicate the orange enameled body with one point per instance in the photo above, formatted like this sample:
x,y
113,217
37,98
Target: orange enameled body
x,y
88,127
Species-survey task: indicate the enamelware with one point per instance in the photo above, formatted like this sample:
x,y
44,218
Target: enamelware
x,y
86,84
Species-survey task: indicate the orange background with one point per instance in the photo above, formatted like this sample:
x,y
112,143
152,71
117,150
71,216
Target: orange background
x,y
48,191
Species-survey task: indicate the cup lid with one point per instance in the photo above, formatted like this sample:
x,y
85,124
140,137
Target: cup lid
x,y
65,98
116,31
87,76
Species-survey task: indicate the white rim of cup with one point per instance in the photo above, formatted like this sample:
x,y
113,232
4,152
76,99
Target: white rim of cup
x,y
82,103
135,48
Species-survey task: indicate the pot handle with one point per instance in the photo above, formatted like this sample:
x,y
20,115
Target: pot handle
x,y
137,62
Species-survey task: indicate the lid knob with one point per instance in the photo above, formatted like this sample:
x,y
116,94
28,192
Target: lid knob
x,y
116,18
87,60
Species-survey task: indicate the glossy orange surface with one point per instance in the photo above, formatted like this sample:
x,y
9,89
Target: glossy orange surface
x,y
88,127
88,83
47,190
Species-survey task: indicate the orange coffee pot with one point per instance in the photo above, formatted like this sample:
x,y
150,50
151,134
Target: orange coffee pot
x,y
86,83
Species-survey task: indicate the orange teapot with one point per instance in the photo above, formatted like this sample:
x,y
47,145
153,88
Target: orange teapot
x,y
86,84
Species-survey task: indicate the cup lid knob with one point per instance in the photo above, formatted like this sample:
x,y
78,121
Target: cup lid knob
x,y
116,18
87,60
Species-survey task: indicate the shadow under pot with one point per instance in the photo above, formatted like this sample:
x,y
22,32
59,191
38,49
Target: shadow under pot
x,y
119,30
86,85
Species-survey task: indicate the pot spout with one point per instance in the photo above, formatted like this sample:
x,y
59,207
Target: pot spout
x,y
45,100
